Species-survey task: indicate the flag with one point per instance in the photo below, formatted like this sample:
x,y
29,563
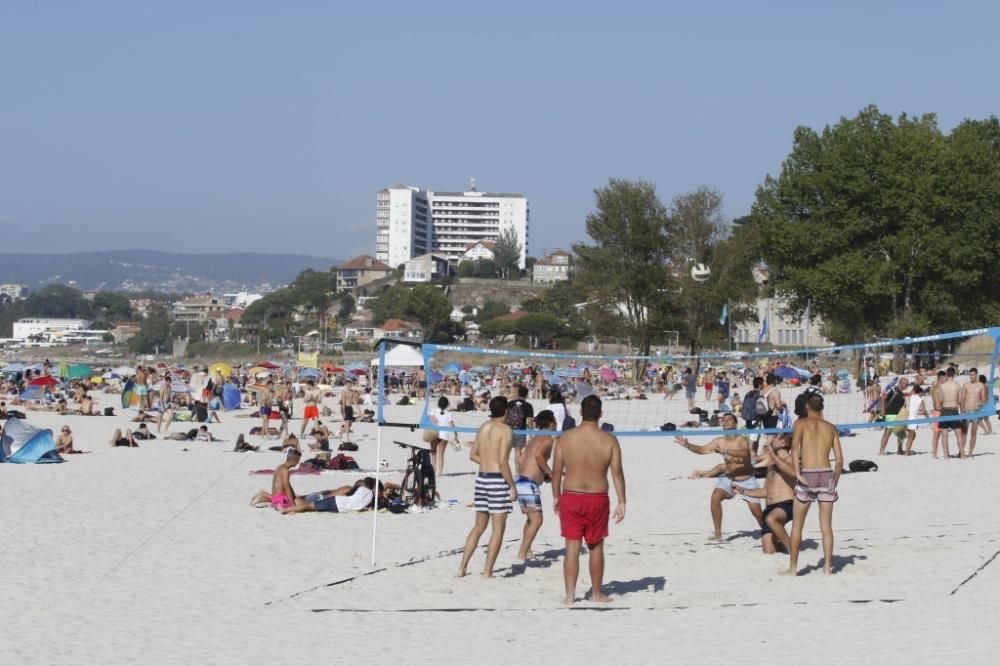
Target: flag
x,y
724,317
307,360
763,332
806,316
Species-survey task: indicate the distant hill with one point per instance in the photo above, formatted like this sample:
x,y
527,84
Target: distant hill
x,y
138,270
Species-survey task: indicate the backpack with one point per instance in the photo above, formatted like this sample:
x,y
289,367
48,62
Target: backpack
x,y
748,411
862,466
515,416
894,400
568,423
341,462
761,407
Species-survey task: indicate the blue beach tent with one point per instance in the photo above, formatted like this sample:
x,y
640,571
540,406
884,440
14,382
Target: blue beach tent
x,y
22,443
230,397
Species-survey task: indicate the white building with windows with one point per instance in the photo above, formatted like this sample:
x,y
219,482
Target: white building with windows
x,y
47,328
411,222
426,267
782,329
403,224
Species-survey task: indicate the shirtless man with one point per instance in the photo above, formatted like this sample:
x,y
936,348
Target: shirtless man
x,y
495,491
971,397
348,398
735,450
708,383
282,496
312,400
812,440
945,397
141,388
778,493
586,453
64,442
265,399
532,471
421,376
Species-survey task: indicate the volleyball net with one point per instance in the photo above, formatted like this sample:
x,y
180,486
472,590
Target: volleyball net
x,y
675,394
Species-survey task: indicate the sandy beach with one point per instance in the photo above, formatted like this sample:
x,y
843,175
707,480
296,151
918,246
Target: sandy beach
x,y
153,555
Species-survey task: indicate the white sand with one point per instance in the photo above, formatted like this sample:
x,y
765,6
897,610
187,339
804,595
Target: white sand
x,y
153,555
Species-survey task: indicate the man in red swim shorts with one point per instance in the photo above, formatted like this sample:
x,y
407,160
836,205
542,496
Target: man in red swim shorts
x,y
312,396
586,453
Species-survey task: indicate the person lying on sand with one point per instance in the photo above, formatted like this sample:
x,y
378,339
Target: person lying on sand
x,y
358,497
123,439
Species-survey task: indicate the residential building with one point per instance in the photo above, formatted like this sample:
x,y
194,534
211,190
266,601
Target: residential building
x,y
197,308
125,331
551,268
426,267
360,271
398,329
782,330
481,250
403,224
241,299
14,292
460,218
411,222
45,329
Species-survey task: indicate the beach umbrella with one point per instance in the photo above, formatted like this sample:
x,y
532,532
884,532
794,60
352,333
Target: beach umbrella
x,y
608,374
79,371
786,372
336,369
452,369
357,372
180,387
32,393
96,379
111,375
43,381
224,368
258,370
269,365
435,377
308,372
124,371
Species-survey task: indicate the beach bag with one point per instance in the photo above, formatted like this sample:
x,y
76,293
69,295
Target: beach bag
x,y
568,423
760,407
429,436
862,466
109,411
515,416
748,411
338,462
347,446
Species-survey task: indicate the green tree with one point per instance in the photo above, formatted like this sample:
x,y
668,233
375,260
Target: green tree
x,y
491,310
154,334
391,302
111,306
864,218
625,270
507,253
466,269
347,306
429,306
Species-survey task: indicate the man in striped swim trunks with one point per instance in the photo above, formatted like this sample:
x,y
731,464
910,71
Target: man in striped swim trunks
x,y
495,492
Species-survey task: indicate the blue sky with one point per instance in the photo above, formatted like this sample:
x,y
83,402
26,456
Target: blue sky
x,y
269,126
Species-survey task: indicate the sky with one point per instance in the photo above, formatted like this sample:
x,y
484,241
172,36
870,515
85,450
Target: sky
x,y
270,126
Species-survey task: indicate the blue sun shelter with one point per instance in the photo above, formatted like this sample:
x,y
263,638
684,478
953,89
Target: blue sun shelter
x,y
22,443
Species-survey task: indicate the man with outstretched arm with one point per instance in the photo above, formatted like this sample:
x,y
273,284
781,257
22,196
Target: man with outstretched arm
x,y
812,440
585,454
495,492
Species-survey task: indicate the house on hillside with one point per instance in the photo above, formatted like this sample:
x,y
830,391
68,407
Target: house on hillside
x,y
360,271
426,267
551,268
398,329
479,251
197,308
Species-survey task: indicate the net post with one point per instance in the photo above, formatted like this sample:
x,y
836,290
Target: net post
x,y
378,441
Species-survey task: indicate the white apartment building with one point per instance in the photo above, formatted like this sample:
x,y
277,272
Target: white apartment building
x,y
453,221
403,224
47,328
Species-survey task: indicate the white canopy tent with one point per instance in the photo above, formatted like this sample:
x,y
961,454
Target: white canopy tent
x,y
401,356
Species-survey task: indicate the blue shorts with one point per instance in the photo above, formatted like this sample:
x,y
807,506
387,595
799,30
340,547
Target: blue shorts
x,y
726,484
326,504
529,495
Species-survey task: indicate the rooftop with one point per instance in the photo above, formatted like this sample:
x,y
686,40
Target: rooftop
x,y
364,262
